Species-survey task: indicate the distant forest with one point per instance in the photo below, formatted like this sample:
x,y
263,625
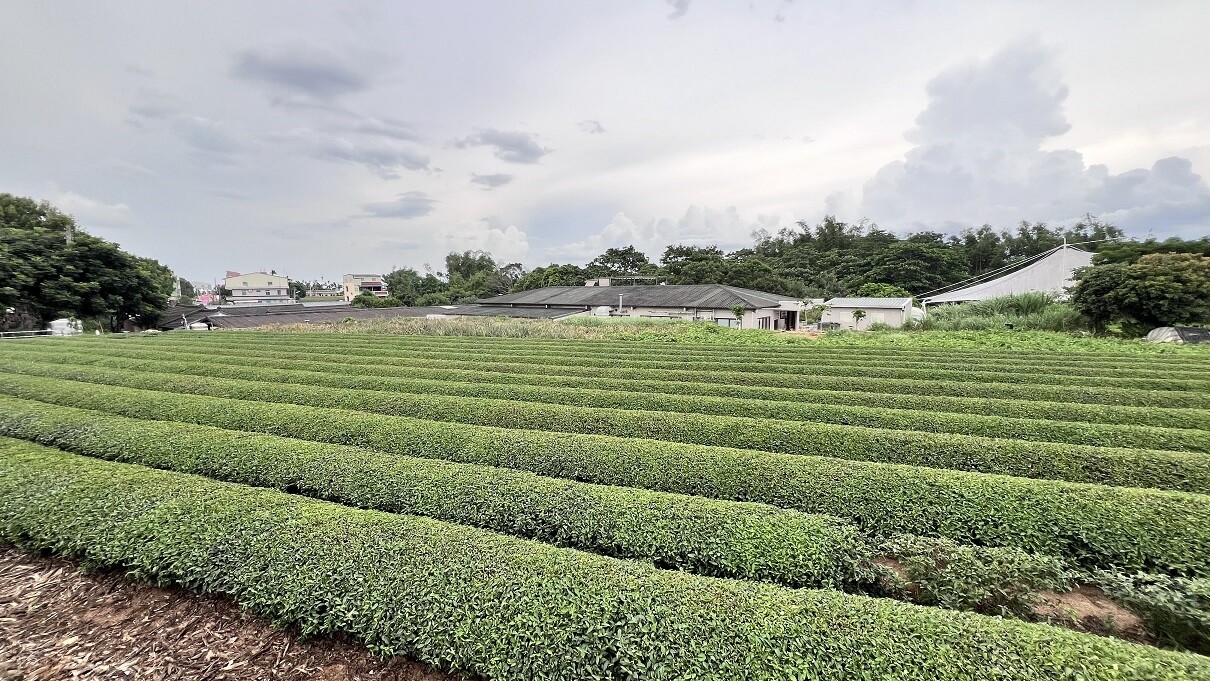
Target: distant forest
x,y
831,258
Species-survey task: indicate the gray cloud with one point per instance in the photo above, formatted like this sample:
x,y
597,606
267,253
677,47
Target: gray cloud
x,y
212,142
511,146
679,7
979,158
591,127
386,158
491,181
299,71
386,128
407,205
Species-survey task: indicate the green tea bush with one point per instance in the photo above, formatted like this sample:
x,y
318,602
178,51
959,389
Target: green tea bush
x,y
991,580
706,536
1077,463
1109,435
118,355
402,347
1175,609
766,370
1092,525
963,388
503,608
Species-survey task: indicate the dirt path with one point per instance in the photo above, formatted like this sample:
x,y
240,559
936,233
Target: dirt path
x,y
56,623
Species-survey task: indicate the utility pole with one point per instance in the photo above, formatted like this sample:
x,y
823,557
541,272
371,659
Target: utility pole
x,y
70,232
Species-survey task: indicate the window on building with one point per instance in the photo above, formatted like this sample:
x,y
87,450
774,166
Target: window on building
x,y
729,323
764,322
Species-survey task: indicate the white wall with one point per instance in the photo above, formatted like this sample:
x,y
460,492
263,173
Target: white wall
x,y
844,317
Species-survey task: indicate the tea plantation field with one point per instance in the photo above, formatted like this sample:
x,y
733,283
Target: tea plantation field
x,y
594,509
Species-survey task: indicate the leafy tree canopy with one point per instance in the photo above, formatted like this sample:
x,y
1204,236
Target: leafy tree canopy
x,y
1159,289
45,277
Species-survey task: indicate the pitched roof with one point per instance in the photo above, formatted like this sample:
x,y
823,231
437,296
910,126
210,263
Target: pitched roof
x,y
1051,274
318,315
873,303
713,296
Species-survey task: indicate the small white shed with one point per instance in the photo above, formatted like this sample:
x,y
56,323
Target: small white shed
x,y
889,311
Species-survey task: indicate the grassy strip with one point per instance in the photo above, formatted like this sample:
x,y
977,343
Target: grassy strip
x,y
1075,463
1104,435
1156,381
1139,369
706,536
118,354
505,608
1089,395
1094,526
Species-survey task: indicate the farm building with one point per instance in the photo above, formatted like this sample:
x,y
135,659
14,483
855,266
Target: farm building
x,y
692,302
1051,272
843,311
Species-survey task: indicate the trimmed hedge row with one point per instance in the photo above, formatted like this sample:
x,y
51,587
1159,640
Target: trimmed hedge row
x,y
664,354
1092,525
705,536
801,352
1105,435
1195,419
503,608
1076,463
1092,395
1049,376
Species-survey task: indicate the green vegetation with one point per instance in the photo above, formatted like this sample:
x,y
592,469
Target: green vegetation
x,y
51,268
329,568
402,484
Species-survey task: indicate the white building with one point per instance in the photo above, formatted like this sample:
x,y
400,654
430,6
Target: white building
x,y
889,311
257,288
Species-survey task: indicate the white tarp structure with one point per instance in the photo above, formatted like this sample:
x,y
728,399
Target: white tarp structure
x,y
1049,274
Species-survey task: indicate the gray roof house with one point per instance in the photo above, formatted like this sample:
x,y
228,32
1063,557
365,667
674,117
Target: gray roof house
x,y
693,302
890,311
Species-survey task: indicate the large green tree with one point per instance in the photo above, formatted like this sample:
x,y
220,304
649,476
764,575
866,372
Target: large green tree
x,y
1160,289
51,268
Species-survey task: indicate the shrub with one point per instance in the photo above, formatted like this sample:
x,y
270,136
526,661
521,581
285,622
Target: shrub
x,y
503,608
1094,526
1111,435
710,537
1076,463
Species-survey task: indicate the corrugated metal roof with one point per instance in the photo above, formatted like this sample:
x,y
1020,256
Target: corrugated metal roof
x,y
327,315
712,296
875,303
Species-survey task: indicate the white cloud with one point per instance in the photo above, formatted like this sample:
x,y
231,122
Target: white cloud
x,y
507,243
699,226
88,211
979,157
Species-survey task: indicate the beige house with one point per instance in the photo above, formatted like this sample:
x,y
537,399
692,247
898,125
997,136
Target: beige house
x,y
356,284
257,288
890,311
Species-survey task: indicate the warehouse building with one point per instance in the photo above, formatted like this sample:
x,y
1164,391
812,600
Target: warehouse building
x,y
716,303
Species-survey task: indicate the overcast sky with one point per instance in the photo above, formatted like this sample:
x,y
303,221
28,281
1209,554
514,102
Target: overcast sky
x,y
324,138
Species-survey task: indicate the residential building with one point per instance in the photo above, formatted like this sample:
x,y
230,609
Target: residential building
x,y
715,303
889,311
356,284
257,288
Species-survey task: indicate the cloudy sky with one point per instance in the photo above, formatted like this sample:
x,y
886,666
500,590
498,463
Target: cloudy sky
x,y
323,138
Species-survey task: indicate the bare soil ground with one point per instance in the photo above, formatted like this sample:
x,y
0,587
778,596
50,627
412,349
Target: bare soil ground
x,y
58,623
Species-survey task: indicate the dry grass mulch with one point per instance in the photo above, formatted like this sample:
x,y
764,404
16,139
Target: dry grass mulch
x,y
58,623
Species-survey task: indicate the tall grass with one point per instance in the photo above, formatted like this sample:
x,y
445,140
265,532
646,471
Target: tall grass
x,y
1025,311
